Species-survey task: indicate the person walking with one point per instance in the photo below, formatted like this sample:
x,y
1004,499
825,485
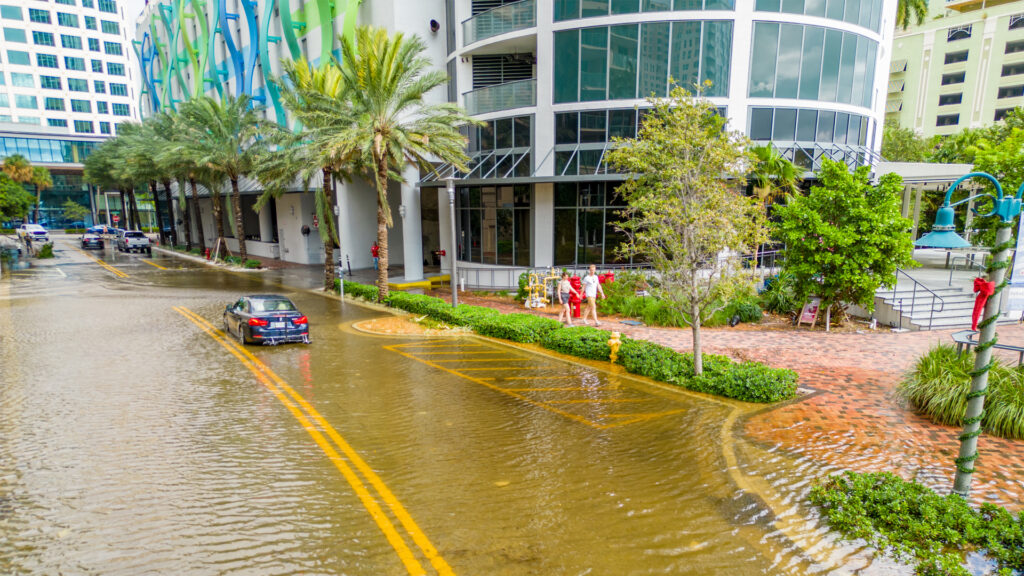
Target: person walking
x,y
375,251
591,288
565,290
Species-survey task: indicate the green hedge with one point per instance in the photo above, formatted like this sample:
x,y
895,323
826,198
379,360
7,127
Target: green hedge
x,y
252,264
8,230
748,381
74,230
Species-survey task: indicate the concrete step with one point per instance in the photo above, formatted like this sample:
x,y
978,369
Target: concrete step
x,y
941,292
919,306
953,322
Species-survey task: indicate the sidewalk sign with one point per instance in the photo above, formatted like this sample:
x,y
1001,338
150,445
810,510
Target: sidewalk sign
x,y
809,313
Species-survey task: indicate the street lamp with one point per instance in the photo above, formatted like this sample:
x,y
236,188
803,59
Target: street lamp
x,y
943,235
455,256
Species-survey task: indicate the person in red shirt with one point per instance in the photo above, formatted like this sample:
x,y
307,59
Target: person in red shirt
x,y
375,251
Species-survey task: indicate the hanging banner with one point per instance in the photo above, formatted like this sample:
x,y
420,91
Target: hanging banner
x,y
1015,291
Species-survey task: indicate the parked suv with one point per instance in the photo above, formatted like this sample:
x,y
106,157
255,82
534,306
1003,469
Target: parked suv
x,y
34,232
133,241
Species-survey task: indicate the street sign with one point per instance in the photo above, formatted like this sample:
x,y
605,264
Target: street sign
x,y
316,222
116,218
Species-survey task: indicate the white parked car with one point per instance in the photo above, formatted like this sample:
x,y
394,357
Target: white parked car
x,y
33,232
133,241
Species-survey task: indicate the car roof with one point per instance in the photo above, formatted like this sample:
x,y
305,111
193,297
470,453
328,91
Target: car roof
x,y
266,297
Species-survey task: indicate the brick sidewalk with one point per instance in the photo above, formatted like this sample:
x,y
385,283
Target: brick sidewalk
x,y
853,419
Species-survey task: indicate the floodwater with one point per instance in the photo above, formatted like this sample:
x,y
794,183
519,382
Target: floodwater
x,y
134,442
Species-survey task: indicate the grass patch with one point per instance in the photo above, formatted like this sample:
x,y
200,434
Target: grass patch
x,y
938,384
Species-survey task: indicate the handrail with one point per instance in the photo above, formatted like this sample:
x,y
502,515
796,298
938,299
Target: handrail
x,y
969,263
510,17
913,297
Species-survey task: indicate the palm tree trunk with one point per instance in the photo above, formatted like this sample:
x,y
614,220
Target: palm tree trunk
x,y
170,213
236,201
135,208
39,200
382,228
218,219
200,235
329,243
159,217
124,210
186,217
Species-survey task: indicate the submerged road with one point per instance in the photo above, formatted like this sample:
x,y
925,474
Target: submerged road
x,y
136,437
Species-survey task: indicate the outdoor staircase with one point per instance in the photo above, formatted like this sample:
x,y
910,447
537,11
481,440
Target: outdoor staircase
x,y
913,307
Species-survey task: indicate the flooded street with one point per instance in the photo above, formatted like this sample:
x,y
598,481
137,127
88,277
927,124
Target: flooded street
x,y
136,439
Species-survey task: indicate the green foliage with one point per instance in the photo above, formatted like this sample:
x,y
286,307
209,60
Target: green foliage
x,y
579,341
45,251
780,297
360,290
524,281
8,231
525,328
846,238
903,144
252,264
938,384
911,521
621,299
908,11
74,230
14,200
74,211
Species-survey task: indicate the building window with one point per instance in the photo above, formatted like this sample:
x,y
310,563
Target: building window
x,y
947,120
112,48
958,33
101,108
585,217
571,9
118,89
54,104
120,109
950,99
90,23
74,63
1010,91
50,82
115,69
108,6
15,35
72,42
99,87
83,106
69,20
57,122
18,57
1001,113
1013,69
42,38
78,85
109,27
46,60
97,66
11,12
94,45
87,4
83,127
953,78
38,16
1014,47
66,2
1016,21
23,80
26,102
104,127
4,100
955,57
28,120
494,224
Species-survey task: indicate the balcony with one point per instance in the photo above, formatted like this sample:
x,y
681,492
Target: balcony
x,y
519,94
501,20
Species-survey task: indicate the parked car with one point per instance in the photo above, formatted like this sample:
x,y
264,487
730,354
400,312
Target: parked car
x,y
34,232
268,319
101,229
92,240
133,241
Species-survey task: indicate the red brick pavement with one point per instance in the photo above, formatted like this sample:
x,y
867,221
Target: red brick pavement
x,y
851,418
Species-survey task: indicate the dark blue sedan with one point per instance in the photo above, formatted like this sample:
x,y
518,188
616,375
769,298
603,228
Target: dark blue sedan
x,y
266,319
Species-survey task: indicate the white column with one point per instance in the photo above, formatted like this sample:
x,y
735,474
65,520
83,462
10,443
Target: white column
x,y
412,225
444,220
266,226
543,225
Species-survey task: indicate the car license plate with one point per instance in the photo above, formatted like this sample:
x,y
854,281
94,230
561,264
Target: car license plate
x,y
277,324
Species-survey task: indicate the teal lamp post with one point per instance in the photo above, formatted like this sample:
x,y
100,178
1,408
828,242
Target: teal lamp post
x,y
943,235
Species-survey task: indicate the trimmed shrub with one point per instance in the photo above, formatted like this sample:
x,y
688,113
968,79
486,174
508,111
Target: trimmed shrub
x,y
464,314
524,281
938,384
363,291
46,251
516,327
74,230
8,231
252,264
196,251
655,361
579,341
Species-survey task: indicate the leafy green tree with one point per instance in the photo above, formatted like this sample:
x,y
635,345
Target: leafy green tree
x,y
17,168
846,238
14,200
684,213
390,126
958,148
907,10
904,144
73,211
42,181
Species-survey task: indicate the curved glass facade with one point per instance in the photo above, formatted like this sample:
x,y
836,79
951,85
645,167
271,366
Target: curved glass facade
x,y
639,60
47,151
573,9
812,63
865,13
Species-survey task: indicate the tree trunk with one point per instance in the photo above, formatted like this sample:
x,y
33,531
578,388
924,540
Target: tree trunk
x,y
39,200
698,346
134,208
382,228
828,318
218,220
186,217
124,212
200,235
170,213
159,217
329,243
236,201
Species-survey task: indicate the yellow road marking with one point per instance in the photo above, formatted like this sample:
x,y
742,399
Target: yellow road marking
x,y
116,272
446,344
275,385
560,389
597,401
151,263
503,368
452,353
502,359
538,378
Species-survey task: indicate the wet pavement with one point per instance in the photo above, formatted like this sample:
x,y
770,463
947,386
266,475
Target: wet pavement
x,y
136,438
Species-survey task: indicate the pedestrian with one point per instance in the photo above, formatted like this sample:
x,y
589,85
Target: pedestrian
x,y
565,290
591,288
375,251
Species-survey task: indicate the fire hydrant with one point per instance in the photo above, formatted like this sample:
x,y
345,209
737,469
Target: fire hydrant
x,y
207,253
614,343
575,299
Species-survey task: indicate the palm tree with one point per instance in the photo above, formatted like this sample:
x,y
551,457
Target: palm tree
x,y
390,126
42,180
906,9
19,169
139,150
100,170
773,177
222,137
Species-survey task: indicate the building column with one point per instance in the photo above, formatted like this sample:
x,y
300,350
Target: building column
x,y
266,225
444,220
917,212
543,225
412,225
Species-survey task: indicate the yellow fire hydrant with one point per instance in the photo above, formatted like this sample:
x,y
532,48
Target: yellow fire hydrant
x,y
614,343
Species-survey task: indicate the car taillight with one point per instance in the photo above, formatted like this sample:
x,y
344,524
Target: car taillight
x,y
257,322
300,320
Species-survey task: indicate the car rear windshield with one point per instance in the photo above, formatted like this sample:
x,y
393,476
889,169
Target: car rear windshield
x,y
272,306
134,235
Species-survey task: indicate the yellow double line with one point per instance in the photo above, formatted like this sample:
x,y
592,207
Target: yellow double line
x,y
307,415
116,272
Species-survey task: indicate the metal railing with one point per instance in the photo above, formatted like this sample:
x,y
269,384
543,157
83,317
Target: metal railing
x,y
500,20
925,293
969,263
518,94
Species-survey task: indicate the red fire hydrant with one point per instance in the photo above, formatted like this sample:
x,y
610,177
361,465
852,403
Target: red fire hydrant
x,y
207,253
574,299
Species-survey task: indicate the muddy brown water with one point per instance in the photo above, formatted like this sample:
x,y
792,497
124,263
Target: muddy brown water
x,y
131,442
